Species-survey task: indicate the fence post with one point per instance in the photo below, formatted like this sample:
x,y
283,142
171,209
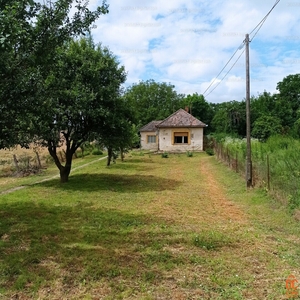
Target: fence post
x,y
268,172
38,160
16,162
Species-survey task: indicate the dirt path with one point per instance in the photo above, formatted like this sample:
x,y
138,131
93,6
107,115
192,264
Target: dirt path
x,y
219,202
48,178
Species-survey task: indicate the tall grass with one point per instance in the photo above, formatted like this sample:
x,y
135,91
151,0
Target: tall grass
x,y
276,165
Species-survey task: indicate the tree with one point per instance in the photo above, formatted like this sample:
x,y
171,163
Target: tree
x,y
80,93
118,133
200,109
230,118
266,126
30,33
153,101
288,100
261,105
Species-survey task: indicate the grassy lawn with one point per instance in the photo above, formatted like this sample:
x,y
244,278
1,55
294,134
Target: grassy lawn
x,y
148,228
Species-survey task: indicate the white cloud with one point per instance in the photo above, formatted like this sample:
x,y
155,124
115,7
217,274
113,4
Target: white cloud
x,y
187,43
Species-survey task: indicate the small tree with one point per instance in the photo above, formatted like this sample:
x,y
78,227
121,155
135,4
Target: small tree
x,y
119,133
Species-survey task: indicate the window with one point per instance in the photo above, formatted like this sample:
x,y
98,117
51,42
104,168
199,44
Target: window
x,y
181,137
151,139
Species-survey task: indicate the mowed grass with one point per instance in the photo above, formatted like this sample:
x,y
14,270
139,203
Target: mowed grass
x,y
148,228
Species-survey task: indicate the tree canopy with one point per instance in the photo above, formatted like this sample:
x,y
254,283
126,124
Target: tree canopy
x,y
80,94
30,34
153,101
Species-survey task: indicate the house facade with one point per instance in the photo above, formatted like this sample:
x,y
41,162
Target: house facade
x,y
179,132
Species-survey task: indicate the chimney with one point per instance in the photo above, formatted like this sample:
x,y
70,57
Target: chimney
x,y
187,109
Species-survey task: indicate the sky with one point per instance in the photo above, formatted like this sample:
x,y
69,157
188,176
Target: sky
x,y
187,43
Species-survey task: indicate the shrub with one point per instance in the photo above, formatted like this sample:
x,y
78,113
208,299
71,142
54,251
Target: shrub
x,y
210,151
97,152
165,155
189,154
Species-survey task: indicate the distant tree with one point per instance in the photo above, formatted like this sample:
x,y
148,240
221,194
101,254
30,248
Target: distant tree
x,y
266,126
230,118
80,94
261,105
288,100
153,101
200,109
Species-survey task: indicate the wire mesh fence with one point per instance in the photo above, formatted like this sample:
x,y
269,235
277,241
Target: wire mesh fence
x,y
276,169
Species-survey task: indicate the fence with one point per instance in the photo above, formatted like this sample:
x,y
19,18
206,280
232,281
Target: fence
x,y
277,172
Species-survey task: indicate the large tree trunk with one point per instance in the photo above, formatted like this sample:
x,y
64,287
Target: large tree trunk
x,y
109,156
64,171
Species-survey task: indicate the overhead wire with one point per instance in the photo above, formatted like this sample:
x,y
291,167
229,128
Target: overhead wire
x,y
227,73
259,26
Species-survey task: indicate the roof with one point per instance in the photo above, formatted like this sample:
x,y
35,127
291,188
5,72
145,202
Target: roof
x,y
180,118
150,126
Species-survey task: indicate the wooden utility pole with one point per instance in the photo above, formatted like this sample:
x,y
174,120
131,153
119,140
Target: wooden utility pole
x,y
248,124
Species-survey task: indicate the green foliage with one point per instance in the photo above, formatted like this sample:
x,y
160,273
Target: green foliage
x,y
230,118
265,126
97,152
30,34
189,154
284,163
165,155
151,101
210,151
200,109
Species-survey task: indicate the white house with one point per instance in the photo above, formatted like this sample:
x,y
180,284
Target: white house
x,y
179,132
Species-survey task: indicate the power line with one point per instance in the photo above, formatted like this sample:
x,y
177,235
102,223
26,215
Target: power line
x,y
258,27
227,73
223,68
261,23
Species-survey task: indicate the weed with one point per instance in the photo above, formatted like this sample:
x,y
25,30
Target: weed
x,y
189,154
165,155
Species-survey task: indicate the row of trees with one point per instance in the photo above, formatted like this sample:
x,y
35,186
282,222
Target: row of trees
x,y
271,114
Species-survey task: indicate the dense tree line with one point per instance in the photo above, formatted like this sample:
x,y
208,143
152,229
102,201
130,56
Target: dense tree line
x,y
271,114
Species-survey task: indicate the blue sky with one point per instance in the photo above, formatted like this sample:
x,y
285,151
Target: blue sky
x,y
187,43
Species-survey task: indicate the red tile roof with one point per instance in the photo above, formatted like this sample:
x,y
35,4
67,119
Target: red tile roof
x,y
150,126
181,118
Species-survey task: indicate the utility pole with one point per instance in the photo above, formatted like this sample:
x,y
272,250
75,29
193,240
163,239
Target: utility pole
x,y
248,124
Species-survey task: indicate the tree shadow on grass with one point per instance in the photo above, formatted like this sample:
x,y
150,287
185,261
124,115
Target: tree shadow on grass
x,y
113,182
45,242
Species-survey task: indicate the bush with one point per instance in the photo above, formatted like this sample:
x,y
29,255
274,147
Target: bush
x,y
97,152
165,155
210,151
189,154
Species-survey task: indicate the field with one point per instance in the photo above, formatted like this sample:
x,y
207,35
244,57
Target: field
x,y
148,228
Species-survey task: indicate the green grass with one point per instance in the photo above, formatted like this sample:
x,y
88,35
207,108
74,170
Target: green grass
x,y
147,228
284,164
